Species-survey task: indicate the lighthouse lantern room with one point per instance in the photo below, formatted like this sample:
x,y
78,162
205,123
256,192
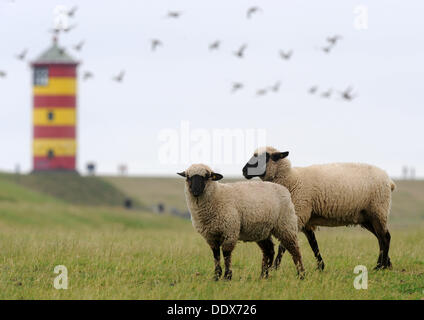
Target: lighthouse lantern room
x,y
54,110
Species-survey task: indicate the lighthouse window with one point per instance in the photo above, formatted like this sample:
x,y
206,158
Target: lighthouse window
x,y
50,115
41,76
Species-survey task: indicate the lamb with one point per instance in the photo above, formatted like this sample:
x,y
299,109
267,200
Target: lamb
x,y
337,194
247,211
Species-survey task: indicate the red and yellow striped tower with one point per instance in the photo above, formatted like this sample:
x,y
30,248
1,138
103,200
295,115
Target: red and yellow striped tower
x,y
54,110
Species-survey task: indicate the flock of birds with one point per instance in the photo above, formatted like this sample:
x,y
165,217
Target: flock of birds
x,y
77,47
155,44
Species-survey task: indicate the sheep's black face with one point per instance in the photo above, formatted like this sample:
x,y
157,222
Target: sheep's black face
x,y
256,166
197,184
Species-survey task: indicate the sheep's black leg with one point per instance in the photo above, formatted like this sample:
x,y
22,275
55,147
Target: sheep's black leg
x,y
367,225
279,256
227,249
383,237
217,258
267,247
314,245
388,238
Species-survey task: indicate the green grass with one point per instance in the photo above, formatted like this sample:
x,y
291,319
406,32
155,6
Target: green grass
x,y
112,253
70,187
152,191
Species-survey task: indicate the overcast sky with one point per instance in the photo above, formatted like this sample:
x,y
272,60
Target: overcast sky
x,y
184,81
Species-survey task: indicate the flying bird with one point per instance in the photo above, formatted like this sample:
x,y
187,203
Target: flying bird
x,y
21,56
327,49
251,11
119,77
215,45
313,89
55,30
154,43
71,12
236,86
276,86
174,14
87,75
327,94
240,52
3,74
261,92
347,94
78,46
69,28
333,40
286,55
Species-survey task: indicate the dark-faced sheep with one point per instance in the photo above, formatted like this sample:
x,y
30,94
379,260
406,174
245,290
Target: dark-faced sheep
x,y
337,194
247,211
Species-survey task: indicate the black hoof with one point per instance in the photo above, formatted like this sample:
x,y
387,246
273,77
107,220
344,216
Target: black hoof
x,y
228,275
321,265
384,266
218,273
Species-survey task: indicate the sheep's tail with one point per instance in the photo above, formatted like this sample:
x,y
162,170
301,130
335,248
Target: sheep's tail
x,y
392,185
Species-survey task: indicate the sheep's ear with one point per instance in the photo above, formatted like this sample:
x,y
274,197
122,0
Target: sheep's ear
x,y
279,155
216,176
182,174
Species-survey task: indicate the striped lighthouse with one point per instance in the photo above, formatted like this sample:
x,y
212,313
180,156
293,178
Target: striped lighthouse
x,y
54,110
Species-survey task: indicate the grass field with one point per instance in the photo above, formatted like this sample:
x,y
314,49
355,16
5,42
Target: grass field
x,y
113,253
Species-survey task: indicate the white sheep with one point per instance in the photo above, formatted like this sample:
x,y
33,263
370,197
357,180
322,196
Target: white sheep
x,y
336,194
247,211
